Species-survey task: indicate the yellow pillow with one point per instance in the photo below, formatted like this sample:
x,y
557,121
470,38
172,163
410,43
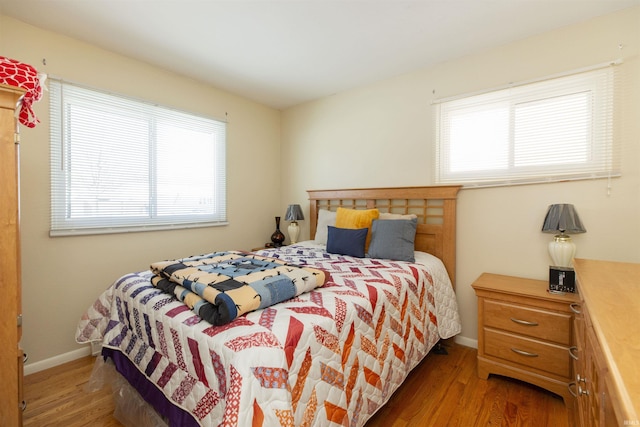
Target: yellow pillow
x,y
357,218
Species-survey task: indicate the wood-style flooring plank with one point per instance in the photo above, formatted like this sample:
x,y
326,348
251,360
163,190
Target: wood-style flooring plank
x,y
443,390
59,397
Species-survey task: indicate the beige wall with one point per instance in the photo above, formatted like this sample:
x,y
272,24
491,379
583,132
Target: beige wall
x,y
383,135
62,276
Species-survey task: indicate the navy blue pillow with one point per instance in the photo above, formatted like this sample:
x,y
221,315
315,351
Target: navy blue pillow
x,y
346,241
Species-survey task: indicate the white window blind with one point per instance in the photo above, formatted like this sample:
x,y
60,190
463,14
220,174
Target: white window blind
x,y
119,164
556,129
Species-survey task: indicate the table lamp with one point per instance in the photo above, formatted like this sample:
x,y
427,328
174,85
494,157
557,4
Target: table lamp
x,y
560,220
294,214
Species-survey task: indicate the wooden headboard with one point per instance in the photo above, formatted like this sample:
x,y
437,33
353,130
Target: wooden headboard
x,y
435,208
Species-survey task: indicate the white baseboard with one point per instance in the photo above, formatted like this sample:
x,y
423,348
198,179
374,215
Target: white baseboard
x,y
32,368
469,342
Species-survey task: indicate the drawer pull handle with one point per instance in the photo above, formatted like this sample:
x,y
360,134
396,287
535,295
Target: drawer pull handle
x,y
523,353
580,379
575,307
524,322
569,386
23,405
573,349
581,391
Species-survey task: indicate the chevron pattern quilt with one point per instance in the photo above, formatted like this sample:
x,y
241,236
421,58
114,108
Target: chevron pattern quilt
x,y
328,357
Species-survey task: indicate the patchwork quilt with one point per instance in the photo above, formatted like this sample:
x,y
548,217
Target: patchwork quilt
x,y
330,356
221,286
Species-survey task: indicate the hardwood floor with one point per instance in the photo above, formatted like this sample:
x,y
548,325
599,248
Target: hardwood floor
x,y
57,397
443,390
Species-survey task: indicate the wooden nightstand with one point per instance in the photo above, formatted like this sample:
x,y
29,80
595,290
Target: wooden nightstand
x,y
525,332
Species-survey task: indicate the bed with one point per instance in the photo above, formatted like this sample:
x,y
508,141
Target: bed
x,y
330,355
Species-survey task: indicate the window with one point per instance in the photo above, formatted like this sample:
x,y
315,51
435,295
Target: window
x,y
119,164
557,129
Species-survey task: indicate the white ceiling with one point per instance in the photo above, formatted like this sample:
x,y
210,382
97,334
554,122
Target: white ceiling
x,y
282,53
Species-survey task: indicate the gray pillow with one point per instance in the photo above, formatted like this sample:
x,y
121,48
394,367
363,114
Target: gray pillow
x,y
393,239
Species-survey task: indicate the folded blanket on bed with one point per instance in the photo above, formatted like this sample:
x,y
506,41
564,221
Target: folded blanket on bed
x,y
221,286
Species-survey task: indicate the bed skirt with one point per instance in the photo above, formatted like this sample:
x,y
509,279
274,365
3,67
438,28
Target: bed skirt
x,y
138,402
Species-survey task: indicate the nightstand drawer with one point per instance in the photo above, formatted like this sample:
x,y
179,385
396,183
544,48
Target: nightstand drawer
x,y
527,352
534,322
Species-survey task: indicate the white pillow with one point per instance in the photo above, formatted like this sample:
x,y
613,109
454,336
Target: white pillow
x,y
325,218
386,215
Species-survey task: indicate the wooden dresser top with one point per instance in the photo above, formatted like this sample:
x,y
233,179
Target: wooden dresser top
x,y
611,291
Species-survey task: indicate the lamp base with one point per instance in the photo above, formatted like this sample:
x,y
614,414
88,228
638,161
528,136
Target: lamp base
x,y
562,250
294,232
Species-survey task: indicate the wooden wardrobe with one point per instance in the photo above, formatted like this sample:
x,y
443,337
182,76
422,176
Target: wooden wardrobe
x,y
11,355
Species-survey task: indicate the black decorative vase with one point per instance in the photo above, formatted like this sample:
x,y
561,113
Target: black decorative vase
x,y
277,237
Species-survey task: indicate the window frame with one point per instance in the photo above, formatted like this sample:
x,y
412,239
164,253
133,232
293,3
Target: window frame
x,y
66,96
603,158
